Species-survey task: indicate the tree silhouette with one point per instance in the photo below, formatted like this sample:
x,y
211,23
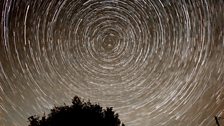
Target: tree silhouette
x,y
80,113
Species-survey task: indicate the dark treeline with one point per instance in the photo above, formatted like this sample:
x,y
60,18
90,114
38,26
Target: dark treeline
x,y
80,113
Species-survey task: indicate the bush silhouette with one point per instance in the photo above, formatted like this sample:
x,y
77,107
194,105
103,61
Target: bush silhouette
x,y
80,113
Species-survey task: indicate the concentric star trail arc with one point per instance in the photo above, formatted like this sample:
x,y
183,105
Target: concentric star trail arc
x,y
157,62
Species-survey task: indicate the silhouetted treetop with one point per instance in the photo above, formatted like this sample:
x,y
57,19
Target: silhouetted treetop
x,y
80,113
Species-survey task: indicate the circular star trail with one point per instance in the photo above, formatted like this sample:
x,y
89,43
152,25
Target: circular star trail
x,y
157,62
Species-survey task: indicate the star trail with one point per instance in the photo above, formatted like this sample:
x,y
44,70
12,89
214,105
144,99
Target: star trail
x,y
157,62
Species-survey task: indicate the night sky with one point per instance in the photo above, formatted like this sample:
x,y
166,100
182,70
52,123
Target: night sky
x,y
157,62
